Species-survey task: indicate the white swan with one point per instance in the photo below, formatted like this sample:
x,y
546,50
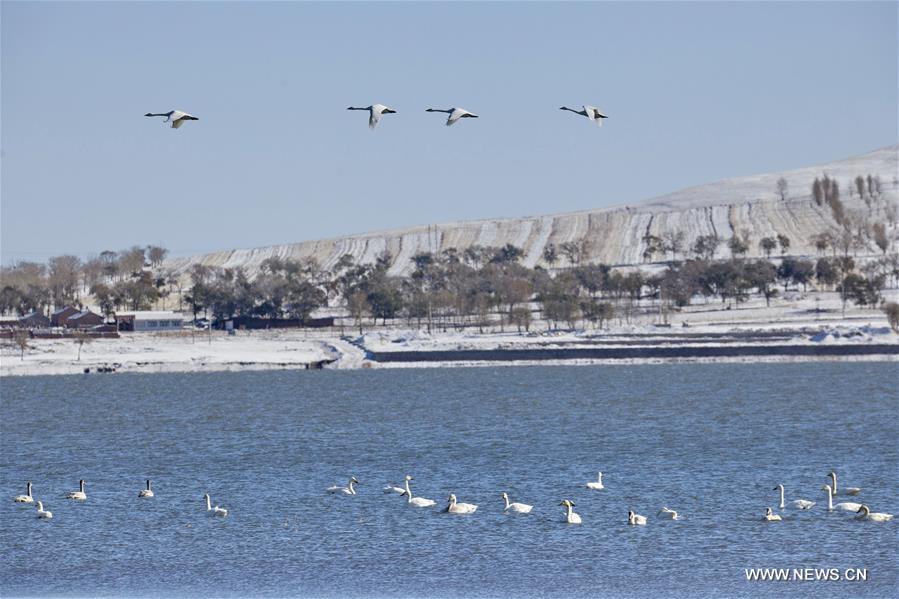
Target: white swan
x,y
416,501
214,511
80,495
570,516
847,490
347,490
802,504
148,492
26,498
846,506
374,113
454,114
770,516
636,519
668,513
42,513
520,508
400,490
591,112
597,484
176,117
453,507
866,514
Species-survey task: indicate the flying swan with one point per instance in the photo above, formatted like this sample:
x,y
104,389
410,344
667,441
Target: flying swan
x,y
454,114
591,112
176,117
519,508
374,113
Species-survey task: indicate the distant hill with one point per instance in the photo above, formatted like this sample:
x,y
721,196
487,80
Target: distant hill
x,y
615,234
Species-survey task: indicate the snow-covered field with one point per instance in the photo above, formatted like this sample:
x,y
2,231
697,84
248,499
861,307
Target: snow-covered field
x,y
795,319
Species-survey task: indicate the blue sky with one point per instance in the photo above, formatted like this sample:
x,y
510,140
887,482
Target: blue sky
x,y
695,92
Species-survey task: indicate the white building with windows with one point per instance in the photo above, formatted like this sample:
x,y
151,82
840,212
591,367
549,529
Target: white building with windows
x,y
146,321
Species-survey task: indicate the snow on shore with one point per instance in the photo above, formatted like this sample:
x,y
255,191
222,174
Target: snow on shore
x,y
797,319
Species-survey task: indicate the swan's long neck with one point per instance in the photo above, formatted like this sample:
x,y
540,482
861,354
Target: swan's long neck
x,y
829,499
506,499
350,487
408,490
81,485
40,506
782,504
160,114
833,477
568,511
29,489
448,110
148,485
599,478
580,112
208,503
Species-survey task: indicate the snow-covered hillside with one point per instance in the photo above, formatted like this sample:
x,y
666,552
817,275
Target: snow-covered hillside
x,y
616,234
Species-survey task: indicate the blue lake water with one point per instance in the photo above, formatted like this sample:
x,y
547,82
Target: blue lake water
x,y
710,441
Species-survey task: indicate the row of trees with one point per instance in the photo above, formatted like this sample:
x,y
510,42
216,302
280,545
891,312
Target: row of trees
x,y
471,287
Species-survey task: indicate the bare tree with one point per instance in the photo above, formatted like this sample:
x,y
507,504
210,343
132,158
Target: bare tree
x,y
21,338
81,337
782,188
767,245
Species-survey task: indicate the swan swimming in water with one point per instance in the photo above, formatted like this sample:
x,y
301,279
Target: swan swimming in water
x,y
770,516
26,498
570,516
453,507
802,504
520,508
214,511
394,489
597,484
347,490
42,513
668,513
79,495
636,519
847,490
416,501
148,492
865,514
846,506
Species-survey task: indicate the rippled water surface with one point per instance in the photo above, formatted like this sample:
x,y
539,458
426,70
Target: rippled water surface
x,y
710,441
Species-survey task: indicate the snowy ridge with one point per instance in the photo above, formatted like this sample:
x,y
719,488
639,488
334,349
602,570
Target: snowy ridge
x,y
615,234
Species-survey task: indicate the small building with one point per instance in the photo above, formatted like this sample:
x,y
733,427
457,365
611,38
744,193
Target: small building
x,y
83,320
144,321
61,316
34,320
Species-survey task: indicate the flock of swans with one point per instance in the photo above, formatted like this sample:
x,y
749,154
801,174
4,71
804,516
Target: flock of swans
x,y
456,507
864,513
179,117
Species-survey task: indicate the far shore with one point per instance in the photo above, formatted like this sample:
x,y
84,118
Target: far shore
x,y
811,328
